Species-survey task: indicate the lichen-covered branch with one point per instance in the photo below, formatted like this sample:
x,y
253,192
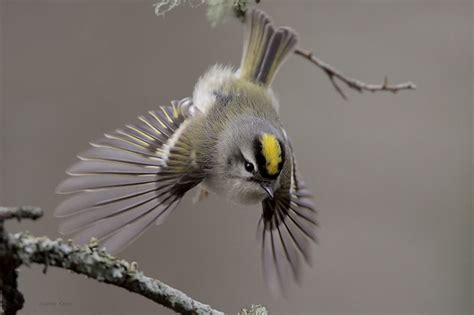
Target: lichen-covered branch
x,y
254,310
95,263
25,212
24,249
11,298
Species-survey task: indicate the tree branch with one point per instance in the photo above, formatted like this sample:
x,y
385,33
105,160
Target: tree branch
x,y
25,212
25,249
351,82
97,264
254,310
12,299
240,8
219,10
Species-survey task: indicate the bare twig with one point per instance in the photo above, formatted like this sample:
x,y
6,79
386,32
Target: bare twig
x,y
351,82
240,8
218,10
25,249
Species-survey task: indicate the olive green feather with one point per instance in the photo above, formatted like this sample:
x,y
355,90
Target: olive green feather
x,y
265,48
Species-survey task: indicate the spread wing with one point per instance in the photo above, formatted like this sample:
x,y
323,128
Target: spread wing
x,y
130,178
286,229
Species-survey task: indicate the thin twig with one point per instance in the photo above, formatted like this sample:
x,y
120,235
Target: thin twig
x,y
351,82
240,8
218,10
25,212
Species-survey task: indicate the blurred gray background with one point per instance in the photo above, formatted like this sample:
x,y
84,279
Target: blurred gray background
x,y
392,173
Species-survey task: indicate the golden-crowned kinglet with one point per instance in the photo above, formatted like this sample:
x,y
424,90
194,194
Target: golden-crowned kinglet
x,y
227,137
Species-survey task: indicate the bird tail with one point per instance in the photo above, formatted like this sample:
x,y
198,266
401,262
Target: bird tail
x,y
265,48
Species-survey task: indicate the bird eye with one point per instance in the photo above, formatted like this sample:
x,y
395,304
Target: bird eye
x,y
248,166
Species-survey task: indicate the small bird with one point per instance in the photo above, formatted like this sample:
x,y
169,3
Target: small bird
x,y
227,138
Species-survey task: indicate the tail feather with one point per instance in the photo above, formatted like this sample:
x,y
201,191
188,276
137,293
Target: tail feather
x,y
265,48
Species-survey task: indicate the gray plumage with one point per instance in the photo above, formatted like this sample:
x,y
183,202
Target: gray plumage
x,y
228,137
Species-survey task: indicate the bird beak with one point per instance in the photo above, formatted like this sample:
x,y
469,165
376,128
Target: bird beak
x,y
269,190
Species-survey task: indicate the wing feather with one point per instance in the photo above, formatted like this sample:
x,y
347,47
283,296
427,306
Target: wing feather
x,y
128,234
119,155
287,227
117,141
86,167
84,201
130,178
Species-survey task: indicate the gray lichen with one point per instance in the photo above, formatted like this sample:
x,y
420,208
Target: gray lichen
x,y
164,6
96,263
217,10
25,212
89,260
254,310
24,249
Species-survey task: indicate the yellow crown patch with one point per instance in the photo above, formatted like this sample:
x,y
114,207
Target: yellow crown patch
x,y
271,151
